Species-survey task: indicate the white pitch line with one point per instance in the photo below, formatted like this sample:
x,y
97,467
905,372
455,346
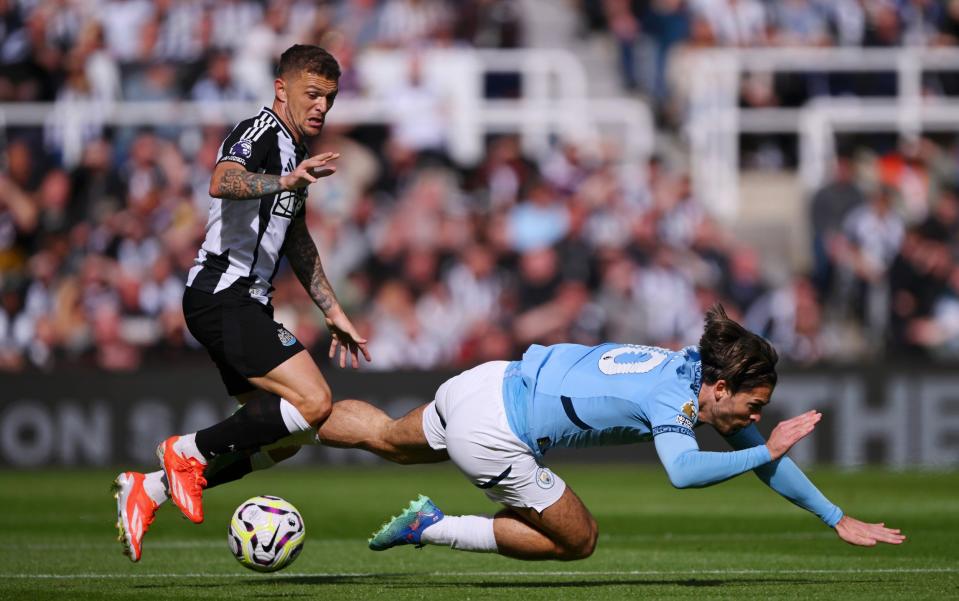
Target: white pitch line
x,y
691,537
687,573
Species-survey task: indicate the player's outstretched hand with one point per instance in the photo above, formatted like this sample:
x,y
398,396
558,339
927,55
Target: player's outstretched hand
x,y
309,171
859,533
789,432
346,340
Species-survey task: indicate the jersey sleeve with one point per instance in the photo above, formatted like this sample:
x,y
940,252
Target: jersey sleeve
x,y
688,467
785,477
672,409
248,145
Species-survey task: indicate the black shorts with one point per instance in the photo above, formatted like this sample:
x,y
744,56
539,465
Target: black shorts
x,y
239,333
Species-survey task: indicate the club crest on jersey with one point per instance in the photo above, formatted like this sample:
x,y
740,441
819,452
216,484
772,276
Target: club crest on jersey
x,y
286,337
289,203
544,478
243,148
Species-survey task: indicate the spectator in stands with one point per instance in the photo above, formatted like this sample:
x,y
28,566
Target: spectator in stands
x,y
790,317
217,84
828,210
412,23
870,239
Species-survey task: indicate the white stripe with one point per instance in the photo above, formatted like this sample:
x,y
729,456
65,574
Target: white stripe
x,y
259,127
260,134
255,132
184,498
551,574
257,123
135,525
248,134
179,490
277,124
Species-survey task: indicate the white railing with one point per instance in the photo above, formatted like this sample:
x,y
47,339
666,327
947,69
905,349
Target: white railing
x,y
715,119
821,120
554,105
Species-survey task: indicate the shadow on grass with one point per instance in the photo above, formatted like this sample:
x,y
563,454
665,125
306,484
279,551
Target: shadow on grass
x,y
252,582
410,581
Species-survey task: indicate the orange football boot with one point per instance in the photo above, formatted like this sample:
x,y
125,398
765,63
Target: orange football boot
x,y
135,512
184,478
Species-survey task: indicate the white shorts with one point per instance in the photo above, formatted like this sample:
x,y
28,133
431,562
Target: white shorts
x,y
480,442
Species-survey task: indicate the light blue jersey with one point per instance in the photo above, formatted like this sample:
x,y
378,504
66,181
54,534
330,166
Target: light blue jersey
x,y
578,396
569,395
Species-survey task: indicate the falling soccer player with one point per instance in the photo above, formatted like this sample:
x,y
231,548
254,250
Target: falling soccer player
x,y
498,420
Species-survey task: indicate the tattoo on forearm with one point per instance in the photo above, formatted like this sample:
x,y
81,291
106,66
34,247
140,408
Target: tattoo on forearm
x,y
305,261
238,184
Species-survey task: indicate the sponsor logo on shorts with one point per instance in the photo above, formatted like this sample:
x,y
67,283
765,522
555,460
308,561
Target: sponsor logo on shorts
x,y
544,478
286,338
243,148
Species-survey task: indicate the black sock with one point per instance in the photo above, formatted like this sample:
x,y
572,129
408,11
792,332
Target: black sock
x,y
256,424
227,468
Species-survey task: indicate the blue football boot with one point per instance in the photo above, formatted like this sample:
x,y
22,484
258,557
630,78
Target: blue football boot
x,y
408,527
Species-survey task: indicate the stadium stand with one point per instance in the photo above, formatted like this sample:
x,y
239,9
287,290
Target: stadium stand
x,y
448,263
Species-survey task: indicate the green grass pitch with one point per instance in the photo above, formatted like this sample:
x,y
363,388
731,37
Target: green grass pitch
x,y
738,540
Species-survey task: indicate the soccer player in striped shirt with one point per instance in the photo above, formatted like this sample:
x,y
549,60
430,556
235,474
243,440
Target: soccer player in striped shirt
x,y
258,190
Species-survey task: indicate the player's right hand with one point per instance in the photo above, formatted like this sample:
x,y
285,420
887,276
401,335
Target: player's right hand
x,y
789,432
864,534
346,341
309,171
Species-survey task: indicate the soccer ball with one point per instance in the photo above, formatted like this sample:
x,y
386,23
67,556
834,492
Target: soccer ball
x,y
266,533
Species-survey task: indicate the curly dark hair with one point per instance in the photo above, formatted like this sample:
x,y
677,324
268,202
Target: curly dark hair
x,y
312,59
732,353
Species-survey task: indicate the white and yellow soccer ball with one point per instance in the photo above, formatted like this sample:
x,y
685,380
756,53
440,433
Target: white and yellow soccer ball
x,y
266,533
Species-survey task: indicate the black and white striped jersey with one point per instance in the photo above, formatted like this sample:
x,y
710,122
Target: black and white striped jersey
x,y
244,238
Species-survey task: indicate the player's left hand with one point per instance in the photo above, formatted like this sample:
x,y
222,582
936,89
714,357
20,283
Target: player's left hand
x,y
859,533
346,340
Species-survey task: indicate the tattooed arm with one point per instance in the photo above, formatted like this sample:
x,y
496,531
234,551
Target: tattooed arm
x,y
236,183
305,260
232,181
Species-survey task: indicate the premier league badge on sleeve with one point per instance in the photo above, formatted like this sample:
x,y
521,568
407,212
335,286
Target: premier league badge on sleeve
x,y
687,418
242,149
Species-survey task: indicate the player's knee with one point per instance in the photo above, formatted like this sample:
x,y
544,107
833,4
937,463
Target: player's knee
x,y
582,546
317,405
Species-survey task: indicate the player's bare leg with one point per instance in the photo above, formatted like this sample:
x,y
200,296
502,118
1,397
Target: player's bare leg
x,y
301,402
356,424
565,530
298,381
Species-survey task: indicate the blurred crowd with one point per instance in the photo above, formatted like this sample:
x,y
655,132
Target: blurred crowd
x,y
216,49
447,266
439,264
653,37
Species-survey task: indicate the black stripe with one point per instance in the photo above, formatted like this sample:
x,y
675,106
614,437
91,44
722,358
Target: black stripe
x,y
571,413
440,415
266,213
214,266
494,481
279,122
